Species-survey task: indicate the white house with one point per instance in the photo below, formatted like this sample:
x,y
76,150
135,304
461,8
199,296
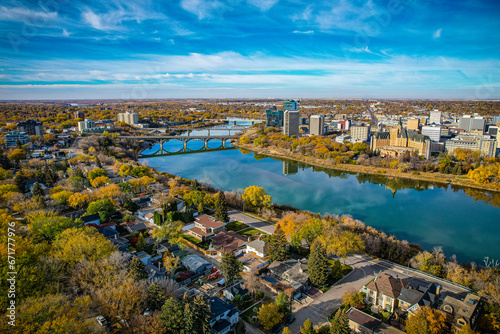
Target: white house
x,y
259,247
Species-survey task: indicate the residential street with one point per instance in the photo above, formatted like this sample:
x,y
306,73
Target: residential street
x,y
261,225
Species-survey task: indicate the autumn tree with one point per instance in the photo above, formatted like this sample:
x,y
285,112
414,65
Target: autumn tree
x,y
426,320
255,197
340,324
269,315
76,244
104,207
48,228
221,207
141,242
78,200
466,330
307,328
284,304
352,298
170,263
230,267
137,269
278,249
342,242
37,190
62,197
99,181
96,172
317,266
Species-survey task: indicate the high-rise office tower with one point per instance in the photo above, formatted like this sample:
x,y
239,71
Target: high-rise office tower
x,y
317,125
291,123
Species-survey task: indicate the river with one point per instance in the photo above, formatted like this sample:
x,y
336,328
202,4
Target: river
x,y
464,221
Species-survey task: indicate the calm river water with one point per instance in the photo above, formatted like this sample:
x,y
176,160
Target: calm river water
x,y
465,222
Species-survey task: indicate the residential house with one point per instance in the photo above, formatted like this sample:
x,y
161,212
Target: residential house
x,y
360,322
229,241
292,271
140,227
109,232
384,291
143,256
418,294
91,219
143,201
196,264
463,312
257,246
223,315
206,227
234,290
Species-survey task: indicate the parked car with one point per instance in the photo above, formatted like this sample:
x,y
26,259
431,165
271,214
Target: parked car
x,y
290,320
101,320
277,329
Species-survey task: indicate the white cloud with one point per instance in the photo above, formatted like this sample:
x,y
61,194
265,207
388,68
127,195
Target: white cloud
x,y
94,20
202,8
303,32
437,33
349,16
28,16
65,33
263,5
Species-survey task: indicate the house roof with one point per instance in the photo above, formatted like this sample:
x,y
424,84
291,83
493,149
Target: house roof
x,y
410,296
107,225
208,221
363,319
237,290
291,270
108,232
461,309
221,325
259,245
194,262
137,227
199,231
90,218
418,292
218,307
149,215
228,241
387,285
142,200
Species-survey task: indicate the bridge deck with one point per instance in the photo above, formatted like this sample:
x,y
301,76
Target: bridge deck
x,y
182,137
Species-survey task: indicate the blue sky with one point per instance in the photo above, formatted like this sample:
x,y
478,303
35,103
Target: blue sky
x,y
73,49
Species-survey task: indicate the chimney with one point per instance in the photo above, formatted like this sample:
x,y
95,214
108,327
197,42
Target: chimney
x,y
438,290
259,237
249,239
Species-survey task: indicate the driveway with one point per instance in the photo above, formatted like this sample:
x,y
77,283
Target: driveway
x,y
259,224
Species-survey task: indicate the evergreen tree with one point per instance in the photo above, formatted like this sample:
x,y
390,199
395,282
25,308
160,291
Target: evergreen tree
x,y
37,190
137,269
173,316
19,181
279,247
221,207
459,170
141,243
157,219
317,266
340,323
283,303
155,297
78,172
98,162
197,315
337,271
230,267
195,185
201,209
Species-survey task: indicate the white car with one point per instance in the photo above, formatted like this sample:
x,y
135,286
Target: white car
x,y
101,320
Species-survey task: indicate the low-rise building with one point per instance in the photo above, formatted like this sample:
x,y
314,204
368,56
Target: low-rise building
x,y
13,137
484,144
257,246
206,227
384,291
360,322
196,264
234,290
223,316
462,312
229,241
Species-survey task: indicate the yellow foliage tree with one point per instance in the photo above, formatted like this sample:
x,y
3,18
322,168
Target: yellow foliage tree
x,y
269,315
99,181
255,197
79,200
62,197
426,321
77,244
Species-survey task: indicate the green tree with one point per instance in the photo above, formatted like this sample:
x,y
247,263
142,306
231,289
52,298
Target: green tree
x,y
269,315
283,303
37,190
221,207
256,198
340,323
19,182
173,316
197,315
307,328
230,267
96,172
48,228
317,266
337,272
279,247
137,269
155,297
195,185
141,242
104,207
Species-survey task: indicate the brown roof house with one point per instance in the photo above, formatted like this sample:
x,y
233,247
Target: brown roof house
x,y
463,312
361,322
206,227
384,291
229,241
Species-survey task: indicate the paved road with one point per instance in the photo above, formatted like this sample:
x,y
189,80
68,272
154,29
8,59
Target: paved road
x,y
259,224
365,268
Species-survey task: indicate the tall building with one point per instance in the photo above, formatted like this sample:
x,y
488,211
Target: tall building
x,y
344,125
274,117
434,132
317,125
13,137
31,127
291,123
435,117
128,117
290,105
484,144
412,124
400,140
468,123
360,133
85,125
496,119
79,114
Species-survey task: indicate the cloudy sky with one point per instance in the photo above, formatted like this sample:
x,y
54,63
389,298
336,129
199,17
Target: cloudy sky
x,y
74,49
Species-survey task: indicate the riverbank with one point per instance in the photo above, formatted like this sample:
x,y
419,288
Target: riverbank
x,y
460,181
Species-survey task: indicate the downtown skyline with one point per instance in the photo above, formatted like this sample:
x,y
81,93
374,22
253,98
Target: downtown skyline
x,y
250,49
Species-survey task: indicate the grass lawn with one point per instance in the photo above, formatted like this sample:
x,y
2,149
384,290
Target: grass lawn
x,y
191,239
236,226
251,232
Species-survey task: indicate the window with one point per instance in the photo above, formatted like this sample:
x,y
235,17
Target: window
x,y
448,308
462,322
389,299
